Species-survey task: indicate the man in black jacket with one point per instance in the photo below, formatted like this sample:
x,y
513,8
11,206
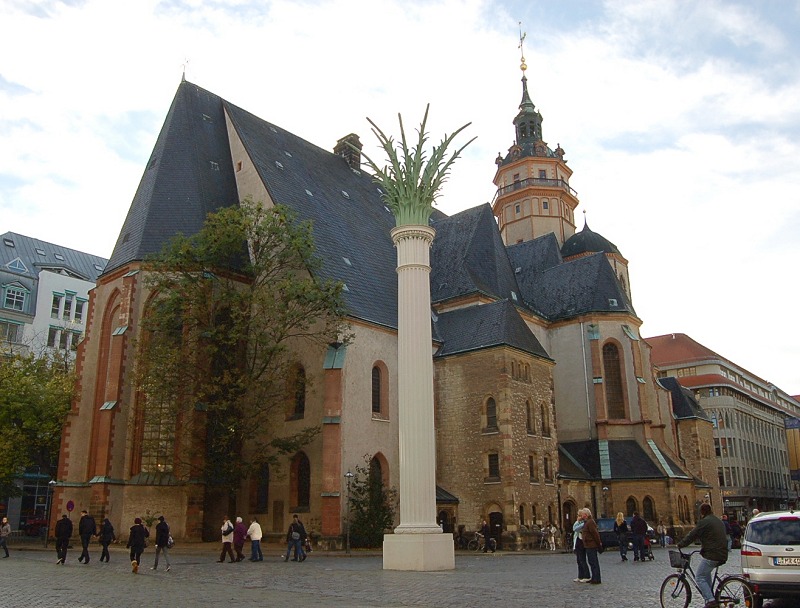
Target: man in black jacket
x,y
162,541
713,550
86,528
63,533
638,532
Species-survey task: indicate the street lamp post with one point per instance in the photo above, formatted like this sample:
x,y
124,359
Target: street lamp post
x,y
349,475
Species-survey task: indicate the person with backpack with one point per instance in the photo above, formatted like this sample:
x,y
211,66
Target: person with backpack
x,y
227,538
294,538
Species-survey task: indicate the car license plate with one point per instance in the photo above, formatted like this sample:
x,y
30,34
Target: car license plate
x,y
786,561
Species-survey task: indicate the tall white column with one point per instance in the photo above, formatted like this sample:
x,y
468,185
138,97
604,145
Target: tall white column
x,y
418,542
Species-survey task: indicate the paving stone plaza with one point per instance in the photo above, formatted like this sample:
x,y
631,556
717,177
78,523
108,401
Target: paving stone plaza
x,y
31,578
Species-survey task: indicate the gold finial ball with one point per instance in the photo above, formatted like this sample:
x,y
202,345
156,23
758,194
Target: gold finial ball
x,y
523,66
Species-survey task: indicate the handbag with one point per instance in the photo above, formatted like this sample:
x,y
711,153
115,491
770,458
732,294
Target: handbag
x,y
170,542
295,535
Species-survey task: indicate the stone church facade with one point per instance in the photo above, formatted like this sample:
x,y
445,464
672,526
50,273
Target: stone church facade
x,y
545,396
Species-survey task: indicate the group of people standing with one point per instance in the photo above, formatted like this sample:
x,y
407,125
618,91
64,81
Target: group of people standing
x,y
587,545
137,539
637,532
236,535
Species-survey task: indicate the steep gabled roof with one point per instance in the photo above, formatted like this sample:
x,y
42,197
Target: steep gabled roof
x,y
485,326
627,459
189,175
534,257
583,285
350,221
468,257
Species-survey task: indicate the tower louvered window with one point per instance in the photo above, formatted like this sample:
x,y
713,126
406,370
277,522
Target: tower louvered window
x,y
612,379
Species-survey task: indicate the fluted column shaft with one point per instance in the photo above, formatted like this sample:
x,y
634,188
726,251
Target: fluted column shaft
x,y
415,381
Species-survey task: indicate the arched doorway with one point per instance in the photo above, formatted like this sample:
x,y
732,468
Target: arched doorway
x,y
496,527
569,511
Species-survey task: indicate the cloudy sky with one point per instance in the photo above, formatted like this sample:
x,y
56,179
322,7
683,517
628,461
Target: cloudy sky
x,y
680,120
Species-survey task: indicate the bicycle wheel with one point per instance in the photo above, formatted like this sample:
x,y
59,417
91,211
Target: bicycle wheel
x,y
675,592
735,592
472,545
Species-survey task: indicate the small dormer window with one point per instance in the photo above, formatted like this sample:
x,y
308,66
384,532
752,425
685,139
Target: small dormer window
x,y
40,251
612,302
59,257
17,265
273,129
214,165
287,153
309,192
8,242
344,194
279,164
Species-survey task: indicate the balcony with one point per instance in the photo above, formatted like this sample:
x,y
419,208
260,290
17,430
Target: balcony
x,y
534,182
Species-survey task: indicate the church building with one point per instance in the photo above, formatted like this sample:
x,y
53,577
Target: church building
x,y
546,399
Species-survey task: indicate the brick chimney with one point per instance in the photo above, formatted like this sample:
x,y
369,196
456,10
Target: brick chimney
x,y
352,156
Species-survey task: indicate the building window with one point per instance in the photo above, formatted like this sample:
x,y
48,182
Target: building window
x,y
548,474
517,209
55,310
545,205
52,337
648,509
376,390
67,306
63,342
301,482
79,304
630,506
297,391
529,418
533,470
494,466
545,420
615,402
11,332
15,298
491,414
75,339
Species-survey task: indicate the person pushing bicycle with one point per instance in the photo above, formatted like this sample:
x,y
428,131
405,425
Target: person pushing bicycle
x,y
710,531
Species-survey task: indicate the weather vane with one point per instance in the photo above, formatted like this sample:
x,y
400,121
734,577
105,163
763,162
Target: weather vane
x,y
522,35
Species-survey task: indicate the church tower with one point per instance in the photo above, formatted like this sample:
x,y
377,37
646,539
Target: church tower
x,y
533,192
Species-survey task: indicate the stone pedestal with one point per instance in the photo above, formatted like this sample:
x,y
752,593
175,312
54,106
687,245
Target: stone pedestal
x,y
421,552
418,542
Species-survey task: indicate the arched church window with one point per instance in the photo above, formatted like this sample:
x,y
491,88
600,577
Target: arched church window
x,y
615,402
648,509
630,506
545,420
528,418
297,390
491,414
301,482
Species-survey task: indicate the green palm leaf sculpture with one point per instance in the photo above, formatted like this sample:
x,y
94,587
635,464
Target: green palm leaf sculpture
x,y
411,182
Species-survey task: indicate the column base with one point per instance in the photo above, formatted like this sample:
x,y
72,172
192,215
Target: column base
x,y
420,552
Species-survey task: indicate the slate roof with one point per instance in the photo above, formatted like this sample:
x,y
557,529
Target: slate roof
x,y
587,241
76,263
628,460
191,174
468,257
684,403
485,326
585,284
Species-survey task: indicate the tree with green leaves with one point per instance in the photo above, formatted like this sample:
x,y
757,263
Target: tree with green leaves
x,y
372,505
231,307
35,396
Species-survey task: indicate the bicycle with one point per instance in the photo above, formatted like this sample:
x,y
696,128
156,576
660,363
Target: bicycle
x,y
676,590
476,545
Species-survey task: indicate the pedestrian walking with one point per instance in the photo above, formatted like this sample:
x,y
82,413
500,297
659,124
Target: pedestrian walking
x,y
551,536
162,542
579,549
107,536
136,542
638,531
254,533
486,533
593,545
227,538
294,538
239,534
5,530
86,529
621,530
63,533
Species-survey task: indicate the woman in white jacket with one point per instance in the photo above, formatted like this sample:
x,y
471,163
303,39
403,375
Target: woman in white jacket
x,y
227,539
254,533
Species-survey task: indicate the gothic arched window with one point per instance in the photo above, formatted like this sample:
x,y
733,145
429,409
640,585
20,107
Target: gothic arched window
x,y
615,400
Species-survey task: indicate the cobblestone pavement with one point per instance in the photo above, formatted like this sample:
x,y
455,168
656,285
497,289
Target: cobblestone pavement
x,y
31,578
